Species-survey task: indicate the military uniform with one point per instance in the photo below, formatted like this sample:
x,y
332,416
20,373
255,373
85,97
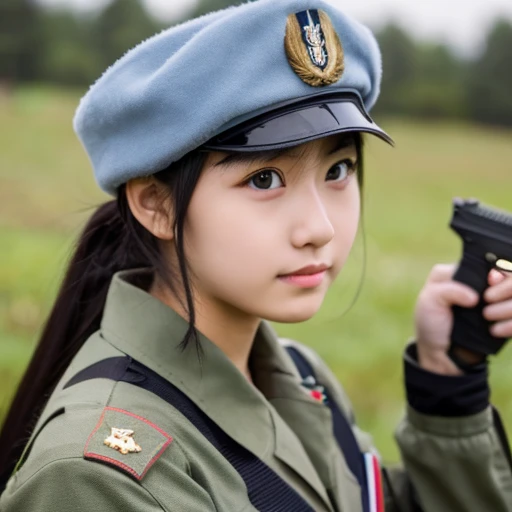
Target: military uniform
x,y
155,427
453,463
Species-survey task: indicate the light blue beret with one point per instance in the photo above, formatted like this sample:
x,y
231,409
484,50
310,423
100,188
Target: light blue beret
x,y
175,91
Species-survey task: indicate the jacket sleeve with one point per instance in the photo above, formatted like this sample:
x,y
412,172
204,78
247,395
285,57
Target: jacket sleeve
x,y
78,485
454,450
455,456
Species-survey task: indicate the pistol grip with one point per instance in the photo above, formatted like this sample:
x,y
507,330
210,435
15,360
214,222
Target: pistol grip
x,y
470,328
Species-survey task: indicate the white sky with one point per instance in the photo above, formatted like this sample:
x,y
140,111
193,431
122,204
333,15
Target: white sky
x,y
461,23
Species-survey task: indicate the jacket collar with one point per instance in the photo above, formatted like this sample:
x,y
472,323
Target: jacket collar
x,y
144,328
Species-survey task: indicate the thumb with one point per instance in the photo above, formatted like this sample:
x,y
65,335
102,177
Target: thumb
x,y
452,293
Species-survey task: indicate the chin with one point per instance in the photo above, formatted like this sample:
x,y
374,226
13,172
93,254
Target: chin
x,y
294,314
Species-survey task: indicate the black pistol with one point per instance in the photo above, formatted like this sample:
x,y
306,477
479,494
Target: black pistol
x,y
487,238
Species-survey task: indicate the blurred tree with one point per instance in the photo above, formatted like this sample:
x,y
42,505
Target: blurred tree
x,y
419,80
399,56
78,48
490,79
20,40
437,84
119,27
69,56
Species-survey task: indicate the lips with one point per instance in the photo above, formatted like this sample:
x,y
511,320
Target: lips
x,y
308,271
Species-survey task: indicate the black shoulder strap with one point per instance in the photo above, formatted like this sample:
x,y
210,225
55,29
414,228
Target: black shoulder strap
x,y
266,490
341,427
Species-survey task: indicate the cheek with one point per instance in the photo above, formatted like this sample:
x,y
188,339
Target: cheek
x,y
226,240
345,218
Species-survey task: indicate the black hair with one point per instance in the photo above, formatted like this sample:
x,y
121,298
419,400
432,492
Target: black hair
x,y
112,240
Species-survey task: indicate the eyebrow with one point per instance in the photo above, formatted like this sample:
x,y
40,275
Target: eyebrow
x,y
249,157
343,143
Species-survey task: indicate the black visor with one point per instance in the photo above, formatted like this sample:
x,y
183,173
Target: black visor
x,y
298,123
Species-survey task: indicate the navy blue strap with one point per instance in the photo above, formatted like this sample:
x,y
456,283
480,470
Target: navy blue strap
x,y
266,490
341,427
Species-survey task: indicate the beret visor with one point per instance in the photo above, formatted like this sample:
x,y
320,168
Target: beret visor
x,y
298,123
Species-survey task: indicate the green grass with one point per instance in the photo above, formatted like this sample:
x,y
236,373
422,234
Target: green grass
x,y
47,191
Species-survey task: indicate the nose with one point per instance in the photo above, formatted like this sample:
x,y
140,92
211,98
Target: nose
x,y
312,225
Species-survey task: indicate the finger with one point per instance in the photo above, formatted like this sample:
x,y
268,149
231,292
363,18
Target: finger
x,y
499,311
442,272
452,293
495,277
502,329
499,292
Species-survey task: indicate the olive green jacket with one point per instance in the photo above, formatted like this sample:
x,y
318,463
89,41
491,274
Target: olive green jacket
x,y
454,464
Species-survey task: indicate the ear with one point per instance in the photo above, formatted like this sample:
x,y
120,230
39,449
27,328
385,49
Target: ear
x,y
149,202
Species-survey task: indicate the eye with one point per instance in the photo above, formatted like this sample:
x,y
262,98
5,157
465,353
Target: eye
x,y
341,171
265,180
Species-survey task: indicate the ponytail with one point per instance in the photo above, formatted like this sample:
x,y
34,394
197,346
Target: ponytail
x,y
104,247
112,240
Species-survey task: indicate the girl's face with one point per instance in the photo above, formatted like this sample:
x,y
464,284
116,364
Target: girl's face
x,y
255,226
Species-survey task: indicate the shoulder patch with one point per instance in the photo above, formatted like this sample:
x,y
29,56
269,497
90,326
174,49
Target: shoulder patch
x,y
127,441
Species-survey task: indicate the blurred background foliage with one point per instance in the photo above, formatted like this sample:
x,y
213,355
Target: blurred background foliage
x,y
451,117
424,80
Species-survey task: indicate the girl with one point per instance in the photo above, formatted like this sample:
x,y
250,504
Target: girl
x,y
233,145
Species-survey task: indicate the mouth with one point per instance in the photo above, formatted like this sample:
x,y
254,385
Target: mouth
x,y
306,277
307,271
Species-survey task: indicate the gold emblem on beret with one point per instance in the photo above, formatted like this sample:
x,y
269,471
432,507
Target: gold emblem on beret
x,y
121,439
313,48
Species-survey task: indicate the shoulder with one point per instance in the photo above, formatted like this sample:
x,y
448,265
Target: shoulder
x,y
101,431
124,454
74,484
69,466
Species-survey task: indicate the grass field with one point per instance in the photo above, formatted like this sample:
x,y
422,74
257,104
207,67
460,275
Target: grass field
x,y
47,190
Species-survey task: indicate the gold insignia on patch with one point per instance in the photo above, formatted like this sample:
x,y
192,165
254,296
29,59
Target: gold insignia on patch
x,y
313,48
121,439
